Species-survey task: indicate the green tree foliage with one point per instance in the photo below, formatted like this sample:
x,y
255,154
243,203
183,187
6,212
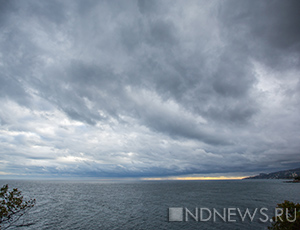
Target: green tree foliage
x,y
297,178
12,206
289,218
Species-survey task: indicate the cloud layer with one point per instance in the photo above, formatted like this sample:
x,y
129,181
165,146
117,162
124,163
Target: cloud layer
x,y
149,88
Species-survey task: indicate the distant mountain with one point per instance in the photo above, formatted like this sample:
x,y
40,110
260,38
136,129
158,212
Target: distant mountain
x,y
286,174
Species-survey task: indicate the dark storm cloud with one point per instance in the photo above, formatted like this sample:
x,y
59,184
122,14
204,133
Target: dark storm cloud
x,y
148,88
5,9
271,28
11,88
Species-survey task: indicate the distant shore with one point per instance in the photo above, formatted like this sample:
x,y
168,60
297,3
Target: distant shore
x,y
292,181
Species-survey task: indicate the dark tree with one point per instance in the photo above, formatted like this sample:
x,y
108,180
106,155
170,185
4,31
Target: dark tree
x,y
12,206
289,219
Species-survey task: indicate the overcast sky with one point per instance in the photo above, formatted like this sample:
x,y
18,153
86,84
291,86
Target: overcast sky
x,y
149,88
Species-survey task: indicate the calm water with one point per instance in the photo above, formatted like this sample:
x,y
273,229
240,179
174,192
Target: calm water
x,y
144,205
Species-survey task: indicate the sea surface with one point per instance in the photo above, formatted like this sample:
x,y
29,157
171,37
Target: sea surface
x,y
145,204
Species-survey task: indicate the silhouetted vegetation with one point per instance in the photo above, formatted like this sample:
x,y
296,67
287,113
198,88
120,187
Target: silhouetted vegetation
x,y
297,178
288,218
12,206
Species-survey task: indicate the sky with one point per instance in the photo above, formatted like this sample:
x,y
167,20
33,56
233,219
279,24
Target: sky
x,y
149,89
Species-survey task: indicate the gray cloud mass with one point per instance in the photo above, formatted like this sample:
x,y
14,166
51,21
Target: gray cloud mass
x,y
149,88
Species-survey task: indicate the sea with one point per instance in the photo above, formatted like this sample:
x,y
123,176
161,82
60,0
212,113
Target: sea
x,y
98,204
